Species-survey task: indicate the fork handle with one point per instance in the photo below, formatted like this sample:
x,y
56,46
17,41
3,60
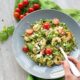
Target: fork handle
x,y
74,69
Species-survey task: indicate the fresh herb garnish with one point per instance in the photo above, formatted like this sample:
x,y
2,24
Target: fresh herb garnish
x,y
6,33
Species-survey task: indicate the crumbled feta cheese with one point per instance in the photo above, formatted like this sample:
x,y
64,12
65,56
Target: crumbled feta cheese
x,y
38,55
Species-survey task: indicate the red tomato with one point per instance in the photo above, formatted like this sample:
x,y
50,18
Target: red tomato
x,y
21,16
46,25
29,31
48,51
26,13
17,10
20,5
16,15
25,2
30,10
56,21
25,49
36,6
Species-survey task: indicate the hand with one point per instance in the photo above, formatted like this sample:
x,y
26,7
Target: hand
x,y
68,73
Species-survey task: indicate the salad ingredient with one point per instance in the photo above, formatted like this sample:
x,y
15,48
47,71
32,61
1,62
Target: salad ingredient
x,y
25,49
57,59
30,46
24,7
18,10
36,27
25,2
49,4
69,35
46,25
36,6
26,38
30,77
26,13
10,30
56,21
43,38
3,36
21,16
5,33
17,2
30,10
29,31
20,5
74,13
16,15
48,51
55,40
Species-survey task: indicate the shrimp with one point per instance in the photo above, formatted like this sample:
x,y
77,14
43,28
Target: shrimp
x,y
60,30
37,48
56,39
67,37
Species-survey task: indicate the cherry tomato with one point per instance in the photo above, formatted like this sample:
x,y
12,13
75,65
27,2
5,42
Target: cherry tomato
x,y
26,13
20,5
25,49
30,10
29,31
46,25
17,10
56,21
25,2
36,6
16,15
48,51
21,16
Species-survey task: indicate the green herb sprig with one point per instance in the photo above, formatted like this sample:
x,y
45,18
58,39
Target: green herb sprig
x,y
6,33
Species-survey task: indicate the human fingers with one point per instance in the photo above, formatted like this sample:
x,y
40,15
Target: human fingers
x,y
67,71
75,61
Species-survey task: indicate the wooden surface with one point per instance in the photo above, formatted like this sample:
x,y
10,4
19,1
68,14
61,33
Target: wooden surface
x,y
9,68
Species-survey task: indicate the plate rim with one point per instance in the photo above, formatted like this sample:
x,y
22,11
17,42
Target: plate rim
x,y
61,73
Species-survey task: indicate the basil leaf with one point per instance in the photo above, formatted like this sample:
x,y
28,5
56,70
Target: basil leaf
x,y
74,13
30,46
34,1
3,36
6,32
30,77
10,30
48,4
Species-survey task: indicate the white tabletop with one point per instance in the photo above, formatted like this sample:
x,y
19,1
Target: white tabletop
x,y
9,68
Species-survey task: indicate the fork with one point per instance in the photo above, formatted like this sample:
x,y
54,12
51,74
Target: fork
x,y
73,68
